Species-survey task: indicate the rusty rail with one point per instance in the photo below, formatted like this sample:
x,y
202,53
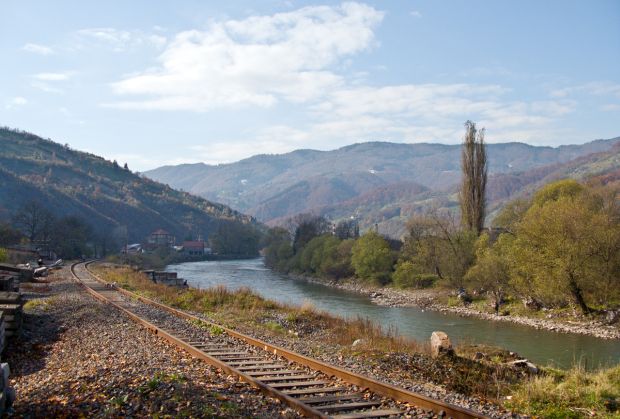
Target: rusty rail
x,y
384,389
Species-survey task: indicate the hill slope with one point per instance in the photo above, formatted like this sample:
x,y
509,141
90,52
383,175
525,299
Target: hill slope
x,y
273,187
69,182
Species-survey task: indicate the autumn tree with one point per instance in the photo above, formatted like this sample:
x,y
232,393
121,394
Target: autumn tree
x,y
568,244
472,195
437,246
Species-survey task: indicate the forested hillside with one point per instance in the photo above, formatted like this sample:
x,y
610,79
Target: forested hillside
x,y
353,180
106,196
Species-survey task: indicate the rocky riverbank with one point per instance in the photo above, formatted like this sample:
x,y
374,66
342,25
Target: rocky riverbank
x,y
429,300
80,358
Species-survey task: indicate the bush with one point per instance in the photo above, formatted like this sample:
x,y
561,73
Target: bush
x,y
372,258
4,256
407,275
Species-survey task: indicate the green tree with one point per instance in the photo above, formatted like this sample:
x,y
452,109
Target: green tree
x,y
277,248
235,239
408,275
472,195
371,258
568,244
511,214
4,256
491,273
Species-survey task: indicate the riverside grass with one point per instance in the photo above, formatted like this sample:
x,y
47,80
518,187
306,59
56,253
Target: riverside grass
x,y
555,394
575,393
246,307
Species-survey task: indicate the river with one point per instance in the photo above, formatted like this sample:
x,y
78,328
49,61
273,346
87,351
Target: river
x,y
540,346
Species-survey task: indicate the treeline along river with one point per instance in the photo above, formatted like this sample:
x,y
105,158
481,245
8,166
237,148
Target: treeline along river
x,y
540,346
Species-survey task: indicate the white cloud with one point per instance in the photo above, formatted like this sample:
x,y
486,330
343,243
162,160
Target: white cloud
x,y
611,107
15,102
596,88
119,40
46,87
38,49
260,60
53,76
415,13
48,82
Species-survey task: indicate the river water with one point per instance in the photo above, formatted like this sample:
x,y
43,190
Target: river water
x,y
542,347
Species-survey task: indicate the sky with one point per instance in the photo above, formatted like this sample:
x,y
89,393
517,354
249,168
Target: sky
x,y
152,83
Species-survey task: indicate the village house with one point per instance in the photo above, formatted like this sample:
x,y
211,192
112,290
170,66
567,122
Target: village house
x,y
160,238
194,248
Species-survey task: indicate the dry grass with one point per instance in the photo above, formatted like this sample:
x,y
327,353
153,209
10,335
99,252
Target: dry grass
x,y
243,306
575,393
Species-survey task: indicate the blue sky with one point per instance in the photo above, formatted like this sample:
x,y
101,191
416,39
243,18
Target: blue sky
x,y
153,83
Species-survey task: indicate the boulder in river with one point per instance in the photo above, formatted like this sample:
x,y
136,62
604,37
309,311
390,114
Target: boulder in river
x,y
440,344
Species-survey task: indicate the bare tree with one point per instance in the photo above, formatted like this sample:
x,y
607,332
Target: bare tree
x,y
472,195
307,227
30,218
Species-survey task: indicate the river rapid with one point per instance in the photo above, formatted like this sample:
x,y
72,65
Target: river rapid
x,y
539,346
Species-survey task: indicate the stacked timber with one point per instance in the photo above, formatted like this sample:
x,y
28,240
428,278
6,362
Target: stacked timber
x,y
7,394
24,273
166,278
8,282
11,306
2,332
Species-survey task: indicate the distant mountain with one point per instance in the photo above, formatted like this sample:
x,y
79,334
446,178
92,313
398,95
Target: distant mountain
x,y
342,183
602,165
70,182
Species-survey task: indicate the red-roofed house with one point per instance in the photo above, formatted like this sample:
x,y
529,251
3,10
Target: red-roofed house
x,y
194,248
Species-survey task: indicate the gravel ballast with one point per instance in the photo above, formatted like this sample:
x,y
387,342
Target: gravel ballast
x,y
80,358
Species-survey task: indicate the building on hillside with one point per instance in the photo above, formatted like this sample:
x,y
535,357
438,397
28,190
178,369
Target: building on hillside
x,y
194,248
160,238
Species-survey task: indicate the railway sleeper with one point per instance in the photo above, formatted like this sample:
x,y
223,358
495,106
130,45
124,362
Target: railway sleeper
x,y
251,363
263,367
315,390
272,372
272,379
341,407
379,413
299,384
331,399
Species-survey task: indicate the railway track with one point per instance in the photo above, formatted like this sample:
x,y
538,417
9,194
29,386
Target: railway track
x,y
312,388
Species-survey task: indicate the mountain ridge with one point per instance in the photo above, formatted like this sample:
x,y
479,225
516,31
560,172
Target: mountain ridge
x,y
71,182
274,187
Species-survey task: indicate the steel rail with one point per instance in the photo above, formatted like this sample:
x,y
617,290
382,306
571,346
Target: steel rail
x,y
300,407
378,387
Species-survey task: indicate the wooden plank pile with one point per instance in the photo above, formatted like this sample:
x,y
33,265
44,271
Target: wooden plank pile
x,y
7,394
11,306
11,309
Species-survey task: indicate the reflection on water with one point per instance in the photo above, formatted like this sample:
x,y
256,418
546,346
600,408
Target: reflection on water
x,y
543,347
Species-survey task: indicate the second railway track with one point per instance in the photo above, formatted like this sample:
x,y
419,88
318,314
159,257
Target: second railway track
x,y
311,387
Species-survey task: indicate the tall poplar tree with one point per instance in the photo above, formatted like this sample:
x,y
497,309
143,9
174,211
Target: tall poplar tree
x,y
472,195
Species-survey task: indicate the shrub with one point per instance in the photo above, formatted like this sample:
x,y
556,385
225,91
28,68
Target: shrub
x,y
407,275
372,258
